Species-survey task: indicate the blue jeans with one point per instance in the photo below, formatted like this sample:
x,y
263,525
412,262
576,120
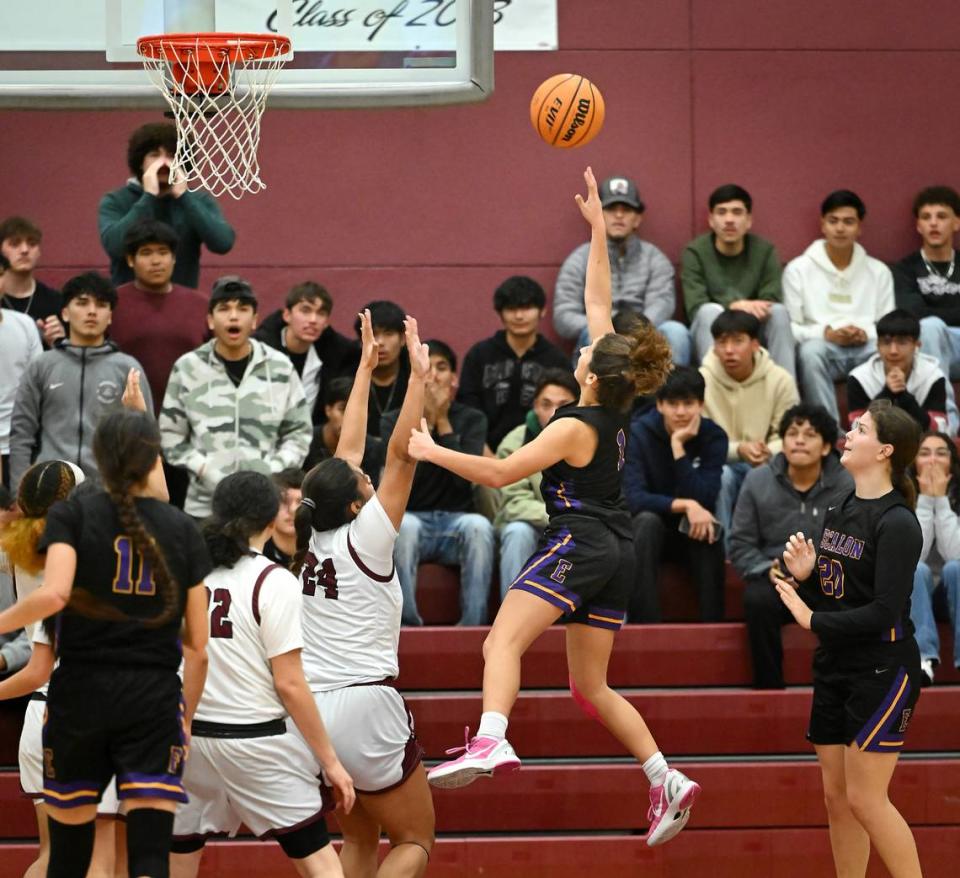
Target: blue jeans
x,y
822,362
676,334
921,609
455,538
731,481
943,342
518,542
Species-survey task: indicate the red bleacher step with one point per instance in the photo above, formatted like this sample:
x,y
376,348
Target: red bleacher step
x,y
684,722
643,655
608,797
761,853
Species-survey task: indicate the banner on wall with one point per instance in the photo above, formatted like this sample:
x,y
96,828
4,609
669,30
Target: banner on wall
x,y
404,25
318,25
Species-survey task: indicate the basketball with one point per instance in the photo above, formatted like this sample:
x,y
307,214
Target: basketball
x,y
567,110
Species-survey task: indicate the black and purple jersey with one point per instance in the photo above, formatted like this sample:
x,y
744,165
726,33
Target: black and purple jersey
x,y
593,490
866,557
113,571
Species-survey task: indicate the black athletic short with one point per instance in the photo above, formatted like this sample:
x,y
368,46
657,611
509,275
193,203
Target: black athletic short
x,y
104,720
865,696
584,569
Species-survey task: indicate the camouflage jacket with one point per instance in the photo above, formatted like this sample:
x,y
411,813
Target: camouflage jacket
x,y
213,428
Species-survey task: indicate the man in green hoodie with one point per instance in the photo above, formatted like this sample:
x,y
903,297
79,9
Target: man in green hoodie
x,y
151,194
731,268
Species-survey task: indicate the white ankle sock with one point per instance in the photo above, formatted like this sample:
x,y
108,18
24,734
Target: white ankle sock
x,y
494,725
655,769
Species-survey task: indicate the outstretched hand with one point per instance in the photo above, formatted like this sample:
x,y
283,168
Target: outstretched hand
x,y
421,442
419,352
369,346
132,394
590,207
799,556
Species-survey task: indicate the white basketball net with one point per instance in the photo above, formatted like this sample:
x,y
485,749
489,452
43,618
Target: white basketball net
x,y
217,94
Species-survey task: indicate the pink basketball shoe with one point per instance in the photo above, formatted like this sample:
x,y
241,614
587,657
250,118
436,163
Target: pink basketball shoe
x,y
670,804
480,757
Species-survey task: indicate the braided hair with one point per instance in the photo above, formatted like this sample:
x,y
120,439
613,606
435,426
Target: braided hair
x,y
41,486
126,446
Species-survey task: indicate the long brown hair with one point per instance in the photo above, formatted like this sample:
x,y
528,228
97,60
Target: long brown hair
x,y
630,365
126,446
953,486
41,486
895,427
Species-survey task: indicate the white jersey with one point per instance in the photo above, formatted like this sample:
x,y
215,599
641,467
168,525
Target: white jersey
x,y
351,602
253,618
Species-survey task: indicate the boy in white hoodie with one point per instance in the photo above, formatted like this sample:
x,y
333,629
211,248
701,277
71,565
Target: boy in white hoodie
x,y
835,294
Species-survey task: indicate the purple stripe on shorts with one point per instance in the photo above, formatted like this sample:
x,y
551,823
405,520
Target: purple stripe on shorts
x,y
878,727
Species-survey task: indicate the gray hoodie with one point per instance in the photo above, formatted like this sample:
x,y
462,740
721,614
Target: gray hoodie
x,y
769,509
62,396
641,278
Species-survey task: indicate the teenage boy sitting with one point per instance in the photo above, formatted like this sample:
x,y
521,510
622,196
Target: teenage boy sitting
x,y
500,373
927,281
746,394
671,480
790,493
900,372
441,523
302,331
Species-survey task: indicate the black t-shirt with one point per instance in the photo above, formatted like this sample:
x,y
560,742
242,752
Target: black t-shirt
x,y
866,557
44,302
593,490
111,570
235,368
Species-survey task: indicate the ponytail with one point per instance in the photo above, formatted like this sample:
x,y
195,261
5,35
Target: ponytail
x,y
896,428
327,491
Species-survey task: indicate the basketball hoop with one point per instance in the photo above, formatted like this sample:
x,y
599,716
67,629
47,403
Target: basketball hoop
x,y
217,86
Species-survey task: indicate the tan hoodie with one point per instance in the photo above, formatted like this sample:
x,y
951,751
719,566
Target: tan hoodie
x,y
748,410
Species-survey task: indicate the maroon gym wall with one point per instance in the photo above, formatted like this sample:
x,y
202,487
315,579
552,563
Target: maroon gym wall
x,y
433,207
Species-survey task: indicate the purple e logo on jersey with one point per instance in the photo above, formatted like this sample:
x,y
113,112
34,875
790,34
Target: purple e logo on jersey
x,y
560,572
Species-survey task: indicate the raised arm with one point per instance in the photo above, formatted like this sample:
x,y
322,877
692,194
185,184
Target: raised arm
x,y
597,298
394,491
353,433
552,445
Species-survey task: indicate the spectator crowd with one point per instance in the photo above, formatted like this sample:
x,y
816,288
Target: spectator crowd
x,y
737,450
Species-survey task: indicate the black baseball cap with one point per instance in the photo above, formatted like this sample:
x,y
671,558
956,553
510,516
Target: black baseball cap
x,y
620,190
230,287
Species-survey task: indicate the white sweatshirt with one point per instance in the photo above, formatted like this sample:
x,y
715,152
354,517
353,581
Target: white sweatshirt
x,y
818,295
941,531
